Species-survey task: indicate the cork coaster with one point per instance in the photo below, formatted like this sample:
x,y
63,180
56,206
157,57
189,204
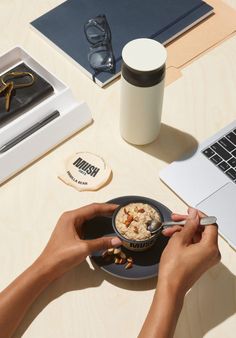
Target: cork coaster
x,y
85,171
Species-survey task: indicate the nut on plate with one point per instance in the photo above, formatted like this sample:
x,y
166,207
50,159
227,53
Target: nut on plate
x,y
110,251
128,266
122,255
117,256
117,260
117,251
122,261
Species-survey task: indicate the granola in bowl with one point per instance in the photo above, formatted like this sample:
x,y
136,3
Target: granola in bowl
x,y
132,221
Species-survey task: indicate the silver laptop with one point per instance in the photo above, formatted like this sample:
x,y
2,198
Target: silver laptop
x,y
207,180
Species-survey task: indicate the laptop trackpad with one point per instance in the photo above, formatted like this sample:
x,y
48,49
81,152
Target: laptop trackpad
x,y
222,204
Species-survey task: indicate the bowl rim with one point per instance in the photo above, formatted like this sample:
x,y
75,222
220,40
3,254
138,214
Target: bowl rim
x,y
132,240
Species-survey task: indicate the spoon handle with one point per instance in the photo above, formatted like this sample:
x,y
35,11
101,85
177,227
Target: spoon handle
x,y
203,221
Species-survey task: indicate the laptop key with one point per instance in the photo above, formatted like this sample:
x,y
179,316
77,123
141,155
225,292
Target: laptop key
x,y
224,166
234,153
231,173
232,137
227,144
208,152
221,151
232,162
216,159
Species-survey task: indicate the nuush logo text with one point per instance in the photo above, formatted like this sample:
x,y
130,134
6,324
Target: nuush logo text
x,y
86,168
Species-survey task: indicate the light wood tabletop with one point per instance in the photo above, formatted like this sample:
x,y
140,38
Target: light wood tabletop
x,y
87,302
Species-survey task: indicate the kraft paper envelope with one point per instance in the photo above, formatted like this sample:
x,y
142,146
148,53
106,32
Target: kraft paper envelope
x,y
203,37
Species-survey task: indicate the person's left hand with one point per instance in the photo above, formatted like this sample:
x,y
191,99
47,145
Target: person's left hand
x,y
66,247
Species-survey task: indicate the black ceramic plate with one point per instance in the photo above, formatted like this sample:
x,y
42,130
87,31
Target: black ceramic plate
x,y
145,263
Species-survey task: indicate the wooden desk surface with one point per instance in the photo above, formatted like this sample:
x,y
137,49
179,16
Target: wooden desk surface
x,y
88,303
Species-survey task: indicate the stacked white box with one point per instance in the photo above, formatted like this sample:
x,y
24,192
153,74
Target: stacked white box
x,y
74,115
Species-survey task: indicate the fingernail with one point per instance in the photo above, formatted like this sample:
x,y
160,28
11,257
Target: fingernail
x,y
192,213
116,241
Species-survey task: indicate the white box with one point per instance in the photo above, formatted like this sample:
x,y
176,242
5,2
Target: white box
x,y
74,115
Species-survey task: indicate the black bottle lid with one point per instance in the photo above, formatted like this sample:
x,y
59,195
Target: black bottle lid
x,y
144,62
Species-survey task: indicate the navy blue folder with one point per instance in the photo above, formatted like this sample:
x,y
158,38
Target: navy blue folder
x,y
162,20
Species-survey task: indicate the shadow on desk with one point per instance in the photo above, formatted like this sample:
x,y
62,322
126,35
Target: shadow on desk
x,y
79,278
209,303
171,145
82,277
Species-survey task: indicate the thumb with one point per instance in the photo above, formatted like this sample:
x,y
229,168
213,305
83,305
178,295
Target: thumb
x,y
191,226
103,243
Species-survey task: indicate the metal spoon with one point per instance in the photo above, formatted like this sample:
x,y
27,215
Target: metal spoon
x,y
156,226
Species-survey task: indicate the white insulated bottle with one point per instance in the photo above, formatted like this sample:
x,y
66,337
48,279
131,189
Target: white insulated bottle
x,y
142,90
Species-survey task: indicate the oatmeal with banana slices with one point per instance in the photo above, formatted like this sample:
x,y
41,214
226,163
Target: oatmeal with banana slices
x,y
132,220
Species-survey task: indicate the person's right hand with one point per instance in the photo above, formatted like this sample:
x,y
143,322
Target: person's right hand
x,y
190,252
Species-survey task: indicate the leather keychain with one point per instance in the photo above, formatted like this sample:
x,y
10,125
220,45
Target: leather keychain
x,y
8,86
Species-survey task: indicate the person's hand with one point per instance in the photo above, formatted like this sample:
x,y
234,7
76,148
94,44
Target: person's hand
x,y
66,247
190,252
65,250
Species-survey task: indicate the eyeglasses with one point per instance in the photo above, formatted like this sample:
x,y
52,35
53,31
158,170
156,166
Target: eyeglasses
x,y
98,34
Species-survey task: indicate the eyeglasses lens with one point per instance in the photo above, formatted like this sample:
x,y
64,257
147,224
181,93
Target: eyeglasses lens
x,y
95,34
98,34
101,58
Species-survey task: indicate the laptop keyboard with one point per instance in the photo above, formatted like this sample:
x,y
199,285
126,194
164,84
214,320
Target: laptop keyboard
x,y
222,154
